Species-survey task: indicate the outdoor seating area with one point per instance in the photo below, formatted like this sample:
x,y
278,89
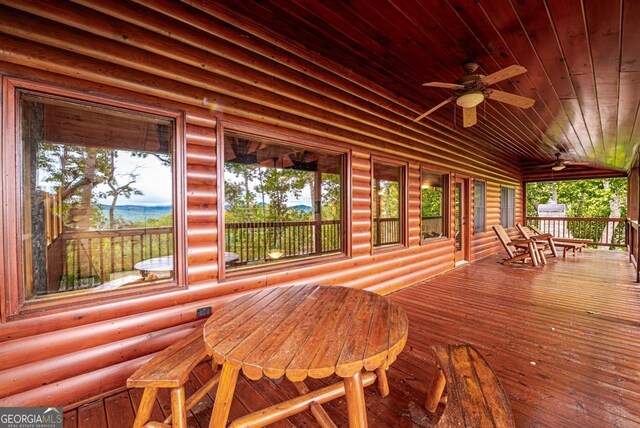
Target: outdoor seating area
x,y
570,361
340,214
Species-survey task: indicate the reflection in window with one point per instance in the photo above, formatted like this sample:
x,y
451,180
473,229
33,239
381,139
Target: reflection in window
x,y
282,201
432,191
507,206
387,204
97,197
479,211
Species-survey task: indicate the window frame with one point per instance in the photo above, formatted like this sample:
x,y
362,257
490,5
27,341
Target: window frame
x,y
11,218
404,203
484,206
510,208
446,202
267,132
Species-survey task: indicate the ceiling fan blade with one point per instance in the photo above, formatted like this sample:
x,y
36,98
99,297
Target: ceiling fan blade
x,y
469,117
576,163
513,99
549,165
505,73
433,109
443,85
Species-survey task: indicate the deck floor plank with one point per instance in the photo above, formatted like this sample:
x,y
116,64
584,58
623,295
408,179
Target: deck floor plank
x,y
564,340
93,415
119,410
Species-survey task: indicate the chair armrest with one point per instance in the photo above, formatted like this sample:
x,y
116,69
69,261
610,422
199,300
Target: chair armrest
x,y
521,241
544,236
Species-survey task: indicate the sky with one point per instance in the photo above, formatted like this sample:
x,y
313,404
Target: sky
x,y
154,180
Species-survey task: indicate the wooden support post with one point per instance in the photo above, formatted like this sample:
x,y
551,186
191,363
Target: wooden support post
x,y
356,407
222,403
435,391
317,211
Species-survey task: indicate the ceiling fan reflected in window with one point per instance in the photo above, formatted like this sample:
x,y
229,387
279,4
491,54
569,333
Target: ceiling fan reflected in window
x,y
472,89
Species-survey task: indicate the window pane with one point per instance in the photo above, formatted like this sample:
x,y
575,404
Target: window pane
x,y
387,203
282,201
97,197
507,206
479,206
432,189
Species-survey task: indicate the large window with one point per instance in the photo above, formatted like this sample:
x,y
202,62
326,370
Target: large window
x,y
283,201
97,197
507,206
479,206
387,191
432,204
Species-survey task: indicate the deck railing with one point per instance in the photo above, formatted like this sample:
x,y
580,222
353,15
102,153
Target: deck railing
x,y
90,257
252,241
386,230
604,232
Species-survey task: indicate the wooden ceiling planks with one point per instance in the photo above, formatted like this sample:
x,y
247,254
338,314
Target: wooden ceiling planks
x,y
539,32
572,49
603,22
629,103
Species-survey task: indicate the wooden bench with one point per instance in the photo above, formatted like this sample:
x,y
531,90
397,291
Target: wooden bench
x,y
474,396
170,368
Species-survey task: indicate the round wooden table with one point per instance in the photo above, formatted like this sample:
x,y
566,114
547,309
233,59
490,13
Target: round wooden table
x,y
306,330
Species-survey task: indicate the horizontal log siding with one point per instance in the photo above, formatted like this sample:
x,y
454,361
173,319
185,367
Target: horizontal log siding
x,y
179,58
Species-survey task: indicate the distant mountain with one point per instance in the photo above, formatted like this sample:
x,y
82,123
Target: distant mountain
x,y
137,213
304,208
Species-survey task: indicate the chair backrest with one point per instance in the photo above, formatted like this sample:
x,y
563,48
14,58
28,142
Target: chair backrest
x,y
535,229
503,238
524,230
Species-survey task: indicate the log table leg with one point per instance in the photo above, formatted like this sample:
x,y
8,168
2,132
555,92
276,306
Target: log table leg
x,y
356,407
224,396
382,383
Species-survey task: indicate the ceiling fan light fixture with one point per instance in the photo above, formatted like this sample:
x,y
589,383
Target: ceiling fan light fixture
x,y
559,167
470,99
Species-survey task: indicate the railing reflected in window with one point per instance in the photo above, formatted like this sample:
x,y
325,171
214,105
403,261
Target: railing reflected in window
x,y
387,206
282,201
97,196
432,205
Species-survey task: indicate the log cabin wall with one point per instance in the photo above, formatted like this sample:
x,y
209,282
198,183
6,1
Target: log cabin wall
x,y
174,58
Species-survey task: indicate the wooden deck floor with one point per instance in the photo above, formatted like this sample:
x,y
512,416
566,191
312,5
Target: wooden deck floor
x,y
564,340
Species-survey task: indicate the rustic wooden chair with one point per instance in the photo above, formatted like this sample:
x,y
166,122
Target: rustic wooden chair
x,y
519,249
474,396
170,368
545,239
575,244
566,246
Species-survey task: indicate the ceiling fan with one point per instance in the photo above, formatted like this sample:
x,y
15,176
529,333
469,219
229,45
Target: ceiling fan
x,y
559,164
472,89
